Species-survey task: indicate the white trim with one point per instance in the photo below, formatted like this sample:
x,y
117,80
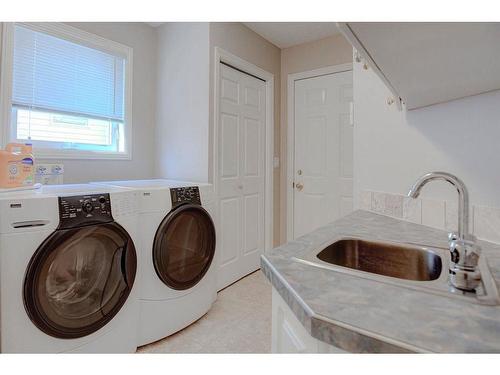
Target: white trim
x,y
75,35
321,71
6,81
291,134
224,56
79,36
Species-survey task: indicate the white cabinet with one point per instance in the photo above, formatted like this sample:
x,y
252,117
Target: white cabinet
x,y
430,63
289,335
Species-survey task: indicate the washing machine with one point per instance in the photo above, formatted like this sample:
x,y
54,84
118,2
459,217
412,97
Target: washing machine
x,y
178,252
68,265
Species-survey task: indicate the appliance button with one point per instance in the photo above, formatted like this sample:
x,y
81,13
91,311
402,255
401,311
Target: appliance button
x,y
87,207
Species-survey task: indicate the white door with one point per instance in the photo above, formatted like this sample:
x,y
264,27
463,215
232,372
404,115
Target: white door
x,y
241,174
323,151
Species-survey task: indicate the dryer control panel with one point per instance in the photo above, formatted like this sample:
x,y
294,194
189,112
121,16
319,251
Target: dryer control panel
x,y
81,210
181,195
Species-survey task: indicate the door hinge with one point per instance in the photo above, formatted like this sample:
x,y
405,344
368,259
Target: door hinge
x,y
293,185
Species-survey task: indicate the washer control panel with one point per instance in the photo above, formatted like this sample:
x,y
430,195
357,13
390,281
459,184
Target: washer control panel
x,y
181,195
80,210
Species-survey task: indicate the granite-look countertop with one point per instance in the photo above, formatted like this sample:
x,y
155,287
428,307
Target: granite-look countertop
x,y
362,315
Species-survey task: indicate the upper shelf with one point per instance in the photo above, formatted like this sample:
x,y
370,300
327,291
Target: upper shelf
x,y
430,63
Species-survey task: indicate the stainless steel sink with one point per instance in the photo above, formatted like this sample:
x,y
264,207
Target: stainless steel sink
x,y
412,266
402,262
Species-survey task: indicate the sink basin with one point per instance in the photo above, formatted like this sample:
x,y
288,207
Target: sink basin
x,y
400,261
414,266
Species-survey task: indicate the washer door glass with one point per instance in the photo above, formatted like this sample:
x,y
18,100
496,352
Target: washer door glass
x,y
184,246
79,279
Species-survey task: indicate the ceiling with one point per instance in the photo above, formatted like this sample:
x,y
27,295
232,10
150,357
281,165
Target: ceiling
x,y
288,34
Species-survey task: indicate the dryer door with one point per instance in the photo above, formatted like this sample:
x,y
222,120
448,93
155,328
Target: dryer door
x,y
184,246
79,279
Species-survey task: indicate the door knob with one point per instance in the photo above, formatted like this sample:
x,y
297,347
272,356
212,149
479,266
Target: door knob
x,y
299,186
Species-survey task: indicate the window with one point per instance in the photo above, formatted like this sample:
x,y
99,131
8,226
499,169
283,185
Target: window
x,y
69,92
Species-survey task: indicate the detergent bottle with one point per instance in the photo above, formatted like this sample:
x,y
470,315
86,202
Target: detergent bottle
x,y
17,166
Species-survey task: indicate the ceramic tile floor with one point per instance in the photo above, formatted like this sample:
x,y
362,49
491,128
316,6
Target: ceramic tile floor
x,y
239,322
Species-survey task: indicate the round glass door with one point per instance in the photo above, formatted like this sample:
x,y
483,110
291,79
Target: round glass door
x,y
79,279
184,246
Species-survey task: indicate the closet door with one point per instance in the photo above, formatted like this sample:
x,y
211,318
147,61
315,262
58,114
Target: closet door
x,y
323,152
241,173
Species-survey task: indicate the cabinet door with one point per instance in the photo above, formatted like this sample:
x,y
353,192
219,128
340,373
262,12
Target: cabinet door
x,y
291,339
290,336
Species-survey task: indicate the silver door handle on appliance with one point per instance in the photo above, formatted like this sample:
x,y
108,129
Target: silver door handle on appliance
x,y
299,186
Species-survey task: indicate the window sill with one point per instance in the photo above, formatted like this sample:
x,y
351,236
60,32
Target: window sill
x,y
79,155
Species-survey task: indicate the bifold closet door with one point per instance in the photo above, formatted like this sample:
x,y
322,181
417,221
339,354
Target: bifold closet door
x,y
241,174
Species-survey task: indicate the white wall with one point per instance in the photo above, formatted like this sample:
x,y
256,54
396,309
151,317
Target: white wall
x,y
182,131
239,40
185,103
142,38
392,149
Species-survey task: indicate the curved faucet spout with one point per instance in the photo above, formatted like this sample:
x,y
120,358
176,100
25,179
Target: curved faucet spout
x,y
463,197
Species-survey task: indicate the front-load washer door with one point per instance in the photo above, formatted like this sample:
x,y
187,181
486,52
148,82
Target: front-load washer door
x,y
79,278
184,246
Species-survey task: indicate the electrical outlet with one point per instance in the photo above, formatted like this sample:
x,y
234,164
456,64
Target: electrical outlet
x,y
49,174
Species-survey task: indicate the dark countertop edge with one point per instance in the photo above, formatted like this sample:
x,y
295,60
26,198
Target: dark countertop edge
x,y
314,323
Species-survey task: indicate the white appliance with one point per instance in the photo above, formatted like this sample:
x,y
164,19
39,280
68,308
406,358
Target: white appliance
x,y
177,234
68,267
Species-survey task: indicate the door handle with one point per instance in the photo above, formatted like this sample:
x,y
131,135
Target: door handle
x,y
299,186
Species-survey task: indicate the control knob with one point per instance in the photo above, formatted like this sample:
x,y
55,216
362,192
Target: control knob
x,y
87,207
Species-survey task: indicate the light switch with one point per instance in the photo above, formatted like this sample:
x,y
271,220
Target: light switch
x,y
276,162
351,113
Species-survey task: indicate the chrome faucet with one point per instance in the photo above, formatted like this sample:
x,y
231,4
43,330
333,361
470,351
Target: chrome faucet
x,y
464,270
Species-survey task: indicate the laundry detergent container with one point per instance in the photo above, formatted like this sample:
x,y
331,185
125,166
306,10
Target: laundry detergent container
x,y
16,166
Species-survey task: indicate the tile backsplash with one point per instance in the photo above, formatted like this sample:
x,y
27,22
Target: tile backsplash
x,y
484,221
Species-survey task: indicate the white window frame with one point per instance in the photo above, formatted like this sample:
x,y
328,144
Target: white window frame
x,y
78,36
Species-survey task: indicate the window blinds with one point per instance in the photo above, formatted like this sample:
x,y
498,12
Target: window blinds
x,y
54,74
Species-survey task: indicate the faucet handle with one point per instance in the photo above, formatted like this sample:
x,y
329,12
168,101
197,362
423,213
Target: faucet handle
x,y
464,253
464,270
453,236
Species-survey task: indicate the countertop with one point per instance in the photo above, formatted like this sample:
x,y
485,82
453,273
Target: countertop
x,y
362,315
